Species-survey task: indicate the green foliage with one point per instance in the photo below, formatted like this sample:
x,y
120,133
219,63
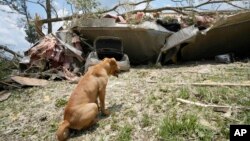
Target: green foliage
x,y
5,67
21,7
86,6
2,68
31,33
17,5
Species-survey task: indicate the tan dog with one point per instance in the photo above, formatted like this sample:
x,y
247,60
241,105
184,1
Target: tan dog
x,y
82,108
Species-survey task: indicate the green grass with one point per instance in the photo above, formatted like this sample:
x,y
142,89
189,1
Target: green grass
x,y
247,118
142,74
60,103
184,93
180,128
223,95
131,113
156,115
151,99
185,127
164,90
146,121
125,133
53,126
114,123
29,131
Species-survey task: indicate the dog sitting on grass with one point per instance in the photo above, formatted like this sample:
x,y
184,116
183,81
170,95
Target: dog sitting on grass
x,y
82,108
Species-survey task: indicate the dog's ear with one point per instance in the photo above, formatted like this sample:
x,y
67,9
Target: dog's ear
x,y
113,62
105,59
113,59
114,67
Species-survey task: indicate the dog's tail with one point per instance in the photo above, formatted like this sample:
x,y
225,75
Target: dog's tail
x,y
62,132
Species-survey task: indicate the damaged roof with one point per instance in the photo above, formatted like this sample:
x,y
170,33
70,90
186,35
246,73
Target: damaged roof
x,y
227,35
142,43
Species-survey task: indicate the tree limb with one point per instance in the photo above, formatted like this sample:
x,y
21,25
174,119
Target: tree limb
x,y
5,48
236,6
124,4
54,10
181,10
176,9
10,84
210,2
39,3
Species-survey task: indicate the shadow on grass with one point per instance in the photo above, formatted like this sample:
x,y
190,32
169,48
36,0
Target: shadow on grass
x,y
77,133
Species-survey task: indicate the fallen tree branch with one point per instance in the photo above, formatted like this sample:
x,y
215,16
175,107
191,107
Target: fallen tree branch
x,y
242,8
210,105
181,10
175,9
99,12
43,6
214,84
9,84
124,4
210,2
5,48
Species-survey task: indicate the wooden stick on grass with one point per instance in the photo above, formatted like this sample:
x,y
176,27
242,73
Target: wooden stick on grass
x,y
10,84
210,105
213,84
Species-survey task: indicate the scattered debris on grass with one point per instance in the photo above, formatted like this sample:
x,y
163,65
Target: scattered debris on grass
x,y
139,108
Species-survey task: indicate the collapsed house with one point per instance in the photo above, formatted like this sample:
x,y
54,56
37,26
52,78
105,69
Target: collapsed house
x,y
227,35
154,41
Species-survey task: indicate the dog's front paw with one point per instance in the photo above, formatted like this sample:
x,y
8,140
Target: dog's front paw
x,y
106,112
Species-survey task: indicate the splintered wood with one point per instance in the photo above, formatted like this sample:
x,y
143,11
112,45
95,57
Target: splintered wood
x,y
25,81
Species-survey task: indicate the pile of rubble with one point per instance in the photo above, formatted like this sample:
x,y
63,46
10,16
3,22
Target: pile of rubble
x,y
145,36
54,58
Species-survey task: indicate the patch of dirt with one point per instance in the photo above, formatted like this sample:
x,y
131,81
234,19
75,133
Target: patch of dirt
x,y
138,99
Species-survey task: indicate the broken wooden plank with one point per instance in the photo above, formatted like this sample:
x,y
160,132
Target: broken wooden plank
x,y
4,95
213,84
199,104
78,53
25,81
210,105
5,48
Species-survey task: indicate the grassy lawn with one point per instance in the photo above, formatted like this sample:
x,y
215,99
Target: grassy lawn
x,y
144,106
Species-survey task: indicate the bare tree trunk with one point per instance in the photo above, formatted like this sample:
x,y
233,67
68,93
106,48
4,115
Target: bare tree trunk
x,y
48,11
